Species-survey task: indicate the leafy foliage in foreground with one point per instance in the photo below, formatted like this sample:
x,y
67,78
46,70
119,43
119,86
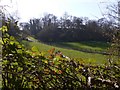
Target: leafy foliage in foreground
x,y
31,69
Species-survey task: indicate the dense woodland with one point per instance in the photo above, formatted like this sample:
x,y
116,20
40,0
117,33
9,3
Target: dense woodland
x,y
67,28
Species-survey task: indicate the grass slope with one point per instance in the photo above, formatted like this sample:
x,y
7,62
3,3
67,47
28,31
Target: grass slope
x,y
85,46
77,55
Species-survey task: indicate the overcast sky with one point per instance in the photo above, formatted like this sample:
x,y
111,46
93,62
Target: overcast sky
x,y
27,9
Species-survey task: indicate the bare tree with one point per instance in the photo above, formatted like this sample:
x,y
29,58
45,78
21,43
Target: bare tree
x,y
114,15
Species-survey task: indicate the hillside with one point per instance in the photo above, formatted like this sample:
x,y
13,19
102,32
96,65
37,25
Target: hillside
x,y
70,51
89,47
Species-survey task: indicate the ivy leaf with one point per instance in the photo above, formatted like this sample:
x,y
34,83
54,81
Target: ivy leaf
x,y
12,38
34,49
4,28
5,62
15,64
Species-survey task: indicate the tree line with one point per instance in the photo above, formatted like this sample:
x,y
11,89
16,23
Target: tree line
x,y
50,28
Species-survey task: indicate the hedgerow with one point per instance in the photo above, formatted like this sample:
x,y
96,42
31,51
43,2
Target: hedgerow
x,y
33,70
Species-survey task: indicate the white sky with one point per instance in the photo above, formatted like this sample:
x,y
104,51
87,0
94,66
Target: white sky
x,y
27,9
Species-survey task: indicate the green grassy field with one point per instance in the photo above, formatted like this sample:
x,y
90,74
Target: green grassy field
x,y
88,46
77,55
